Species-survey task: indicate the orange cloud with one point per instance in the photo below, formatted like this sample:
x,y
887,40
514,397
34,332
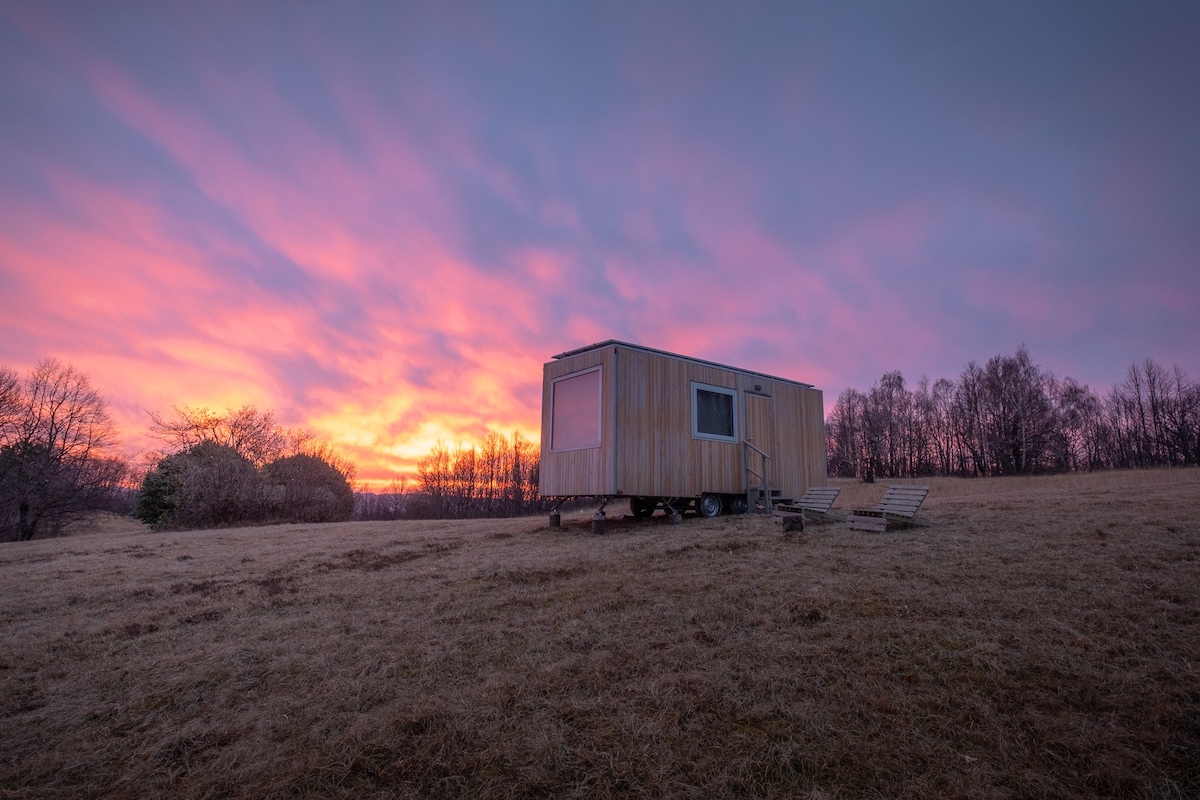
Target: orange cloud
x,y
381,228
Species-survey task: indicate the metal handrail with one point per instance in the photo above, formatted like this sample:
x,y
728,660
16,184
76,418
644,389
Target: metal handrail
x,y
755,449
762,476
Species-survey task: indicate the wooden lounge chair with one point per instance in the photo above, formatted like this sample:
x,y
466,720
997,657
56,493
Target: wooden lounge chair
x,y
896,510
814,506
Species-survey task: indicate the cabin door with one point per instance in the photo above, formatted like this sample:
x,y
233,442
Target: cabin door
x,y
760,432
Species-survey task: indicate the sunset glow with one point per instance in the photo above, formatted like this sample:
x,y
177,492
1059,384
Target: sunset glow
x,y
378,221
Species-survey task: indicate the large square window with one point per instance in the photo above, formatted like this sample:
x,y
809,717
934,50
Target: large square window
x,y
575,411
714,412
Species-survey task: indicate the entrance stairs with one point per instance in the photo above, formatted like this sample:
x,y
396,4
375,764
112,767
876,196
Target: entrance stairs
x,y
764,501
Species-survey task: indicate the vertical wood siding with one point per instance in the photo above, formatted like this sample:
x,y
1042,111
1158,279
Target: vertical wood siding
x,y
800,437
647,446
578,472
658,455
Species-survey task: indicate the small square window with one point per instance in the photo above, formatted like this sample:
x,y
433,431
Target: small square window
x,y
714,413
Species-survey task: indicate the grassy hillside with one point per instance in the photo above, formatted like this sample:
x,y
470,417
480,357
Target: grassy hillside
x,y
1043,640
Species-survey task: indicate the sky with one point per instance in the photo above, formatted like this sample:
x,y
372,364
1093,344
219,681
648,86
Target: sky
x,y
379,220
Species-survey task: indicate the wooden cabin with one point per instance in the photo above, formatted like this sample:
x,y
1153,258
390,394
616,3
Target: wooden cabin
x,y
672,432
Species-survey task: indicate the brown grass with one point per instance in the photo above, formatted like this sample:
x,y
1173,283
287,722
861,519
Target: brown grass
x,y
1043,640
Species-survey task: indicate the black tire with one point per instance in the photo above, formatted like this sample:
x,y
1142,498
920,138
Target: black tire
x,y
642,506
710,505
738,505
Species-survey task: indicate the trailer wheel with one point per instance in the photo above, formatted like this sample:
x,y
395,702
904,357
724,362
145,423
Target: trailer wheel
x,y
710,505
738,505
642,506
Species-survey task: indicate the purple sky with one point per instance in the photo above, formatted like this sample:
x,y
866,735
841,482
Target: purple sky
x,y
380,219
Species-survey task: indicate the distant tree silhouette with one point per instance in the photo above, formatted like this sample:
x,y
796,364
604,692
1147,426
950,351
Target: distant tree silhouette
x,y
208,485
498,478
1011,417
306,488
1154,417
57,450
237,467
392,503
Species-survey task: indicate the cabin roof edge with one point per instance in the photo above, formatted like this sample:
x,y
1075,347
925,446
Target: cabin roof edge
x,y
656,351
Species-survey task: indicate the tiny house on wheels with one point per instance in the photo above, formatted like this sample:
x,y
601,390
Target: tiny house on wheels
x,y
676,433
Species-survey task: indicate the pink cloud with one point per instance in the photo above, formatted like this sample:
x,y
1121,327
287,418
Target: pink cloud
x,y
378,273
473,309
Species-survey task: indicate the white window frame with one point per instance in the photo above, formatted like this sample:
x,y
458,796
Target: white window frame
x,y
713,437
599,410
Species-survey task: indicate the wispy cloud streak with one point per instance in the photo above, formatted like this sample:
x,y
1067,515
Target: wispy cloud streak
x,y
380,222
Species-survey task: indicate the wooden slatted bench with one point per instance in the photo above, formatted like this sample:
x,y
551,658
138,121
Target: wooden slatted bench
x,y
814,505
898,508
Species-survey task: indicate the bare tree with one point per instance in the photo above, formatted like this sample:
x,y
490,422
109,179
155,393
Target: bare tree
x,y
1155,417
1016,413
1136,410
922,437
967,420
1076,429
10,403
858,433
943,430
464,483
501,479
523,474
57,450
1184,417
842,435
251,432
492,456
434,471
888,420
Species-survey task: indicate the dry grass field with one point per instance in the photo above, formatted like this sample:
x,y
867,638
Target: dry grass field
x,y
1042,640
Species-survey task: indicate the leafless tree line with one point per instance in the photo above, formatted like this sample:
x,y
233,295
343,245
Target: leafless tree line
x,y
496,478
1009,417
